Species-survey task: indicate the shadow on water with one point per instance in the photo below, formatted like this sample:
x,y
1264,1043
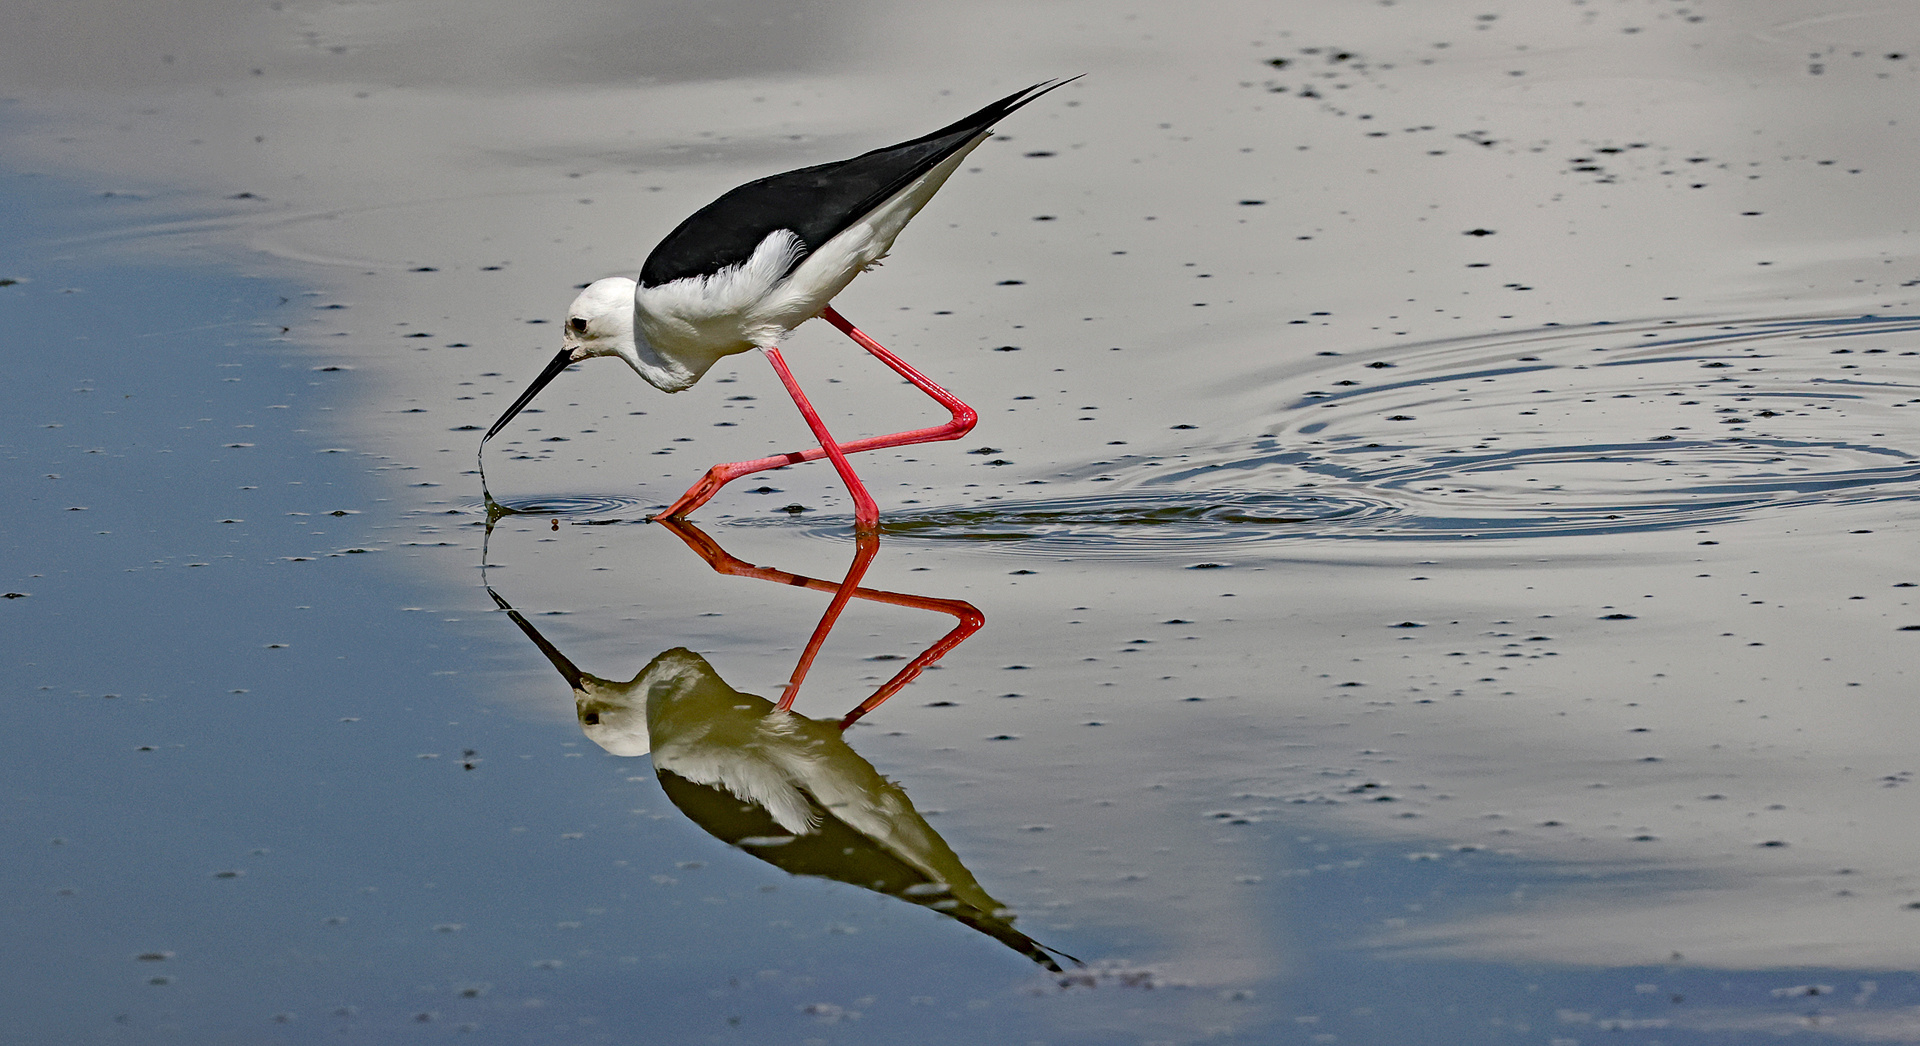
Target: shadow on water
x,y
780,786
1504,436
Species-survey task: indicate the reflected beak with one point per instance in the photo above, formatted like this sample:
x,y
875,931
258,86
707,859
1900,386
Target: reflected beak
x,y
558,364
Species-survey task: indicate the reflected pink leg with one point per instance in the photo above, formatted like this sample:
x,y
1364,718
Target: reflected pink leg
x,y
968,618
970,621
866,543
964,418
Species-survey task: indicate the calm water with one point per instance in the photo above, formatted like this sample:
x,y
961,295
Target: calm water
x,y
1436,564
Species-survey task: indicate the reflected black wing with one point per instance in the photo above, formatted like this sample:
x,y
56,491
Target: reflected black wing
x,y
836,851
816,203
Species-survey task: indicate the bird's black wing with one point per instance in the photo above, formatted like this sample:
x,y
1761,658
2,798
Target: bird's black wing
x,y
816,203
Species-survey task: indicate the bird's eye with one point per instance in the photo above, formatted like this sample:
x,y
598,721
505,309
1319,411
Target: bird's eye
x,y
579,324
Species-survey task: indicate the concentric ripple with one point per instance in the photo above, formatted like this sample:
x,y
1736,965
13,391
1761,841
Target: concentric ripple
x,y
1604,429
575,508
1576,489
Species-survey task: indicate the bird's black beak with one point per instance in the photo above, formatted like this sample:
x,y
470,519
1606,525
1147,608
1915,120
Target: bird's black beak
x,y
559,363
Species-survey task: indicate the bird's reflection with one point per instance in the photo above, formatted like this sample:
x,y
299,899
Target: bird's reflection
x,y
781,786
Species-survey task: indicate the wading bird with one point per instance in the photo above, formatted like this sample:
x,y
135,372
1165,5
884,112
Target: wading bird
x,y
758,262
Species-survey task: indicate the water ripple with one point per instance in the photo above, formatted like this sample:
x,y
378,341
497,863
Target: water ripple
x,y
1606,429
575,508
1143,521
1602,429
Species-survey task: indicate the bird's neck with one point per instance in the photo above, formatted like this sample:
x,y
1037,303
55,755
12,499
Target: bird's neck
x,y
663,372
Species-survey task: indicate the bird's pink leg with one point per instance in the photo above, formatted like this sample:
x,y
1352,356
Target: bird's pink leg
x,y
964,418
866,515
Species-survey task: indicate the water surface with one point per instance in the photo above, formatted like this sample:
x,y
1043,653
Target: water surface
x,y
1439,533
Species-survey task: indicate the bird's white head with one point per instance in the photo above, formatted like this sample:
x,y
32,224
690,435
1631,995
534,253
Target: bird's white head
x,y
600,321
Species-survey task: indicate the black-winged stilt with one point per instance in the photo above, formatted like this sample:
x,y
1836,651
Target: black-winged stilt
x,y
756,263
